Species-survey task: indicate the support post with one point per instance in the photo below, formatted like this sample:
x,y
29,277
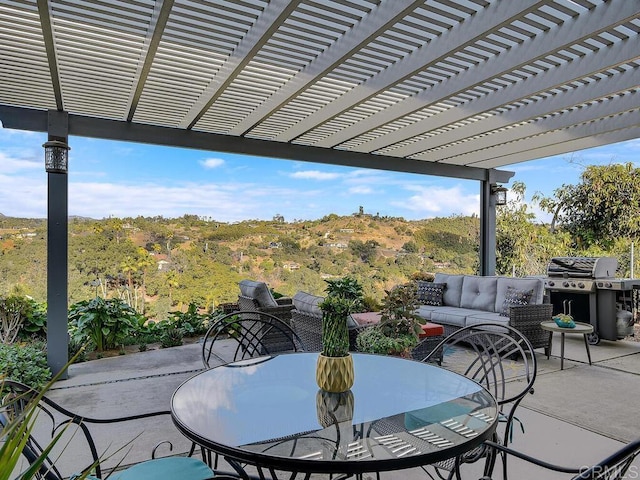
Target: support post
x,y
57,253
487,229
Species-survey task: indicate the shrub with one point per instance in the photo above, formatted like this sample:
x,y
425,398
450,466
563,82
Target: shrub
x,y
35,322
172,337
106,323
190,322
14,309
26,363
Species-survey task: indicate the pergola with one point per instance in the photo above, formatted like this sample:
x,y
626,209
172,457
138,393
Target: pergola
x,y
455,88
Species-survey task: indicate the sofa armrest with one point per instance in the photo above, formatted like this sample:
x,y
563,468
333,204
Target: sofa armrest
x,y
284,301
527,319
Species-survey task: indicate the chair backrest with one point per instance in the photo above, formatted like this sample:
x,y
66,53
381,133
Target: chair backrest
x,y
235,336
306,320
499,358
46,419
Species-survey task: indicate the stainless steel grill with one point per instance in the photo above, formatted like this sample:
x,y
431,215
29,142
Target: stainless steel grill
x,y
588,287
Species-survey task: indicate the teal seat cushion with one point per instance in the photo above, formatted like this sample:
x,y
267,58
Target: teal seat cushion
x,y
169,468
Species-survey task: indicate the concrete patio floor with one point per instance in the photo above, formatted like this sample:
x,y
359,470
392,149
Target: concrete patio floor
x,y
576,416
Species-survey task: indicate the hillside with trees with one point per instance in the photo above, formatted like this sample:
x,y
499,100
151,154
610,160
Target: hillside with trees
x,y
158,265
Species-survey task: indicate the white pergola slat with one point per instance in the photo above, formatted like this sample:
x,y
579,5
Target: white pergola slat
x,y
436,81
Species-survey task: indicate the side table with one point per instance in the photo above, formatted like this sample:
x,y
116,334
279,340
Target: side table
x,y
583,328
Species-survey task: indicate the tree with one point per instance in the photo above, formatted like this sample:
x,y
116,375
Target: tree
x,y
366,251
522,247
600,209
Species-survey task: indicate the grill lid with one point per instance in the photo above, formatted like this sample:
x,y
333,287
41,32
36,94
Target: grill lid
x,y
582,267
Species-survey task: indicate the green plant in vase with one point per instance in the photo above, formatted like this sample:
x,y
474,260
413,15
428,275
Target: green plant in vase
x,y
334,372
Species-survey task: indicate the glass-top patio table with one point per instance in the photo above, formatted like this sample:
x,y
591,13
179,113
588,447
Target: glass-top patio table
x,y
269,412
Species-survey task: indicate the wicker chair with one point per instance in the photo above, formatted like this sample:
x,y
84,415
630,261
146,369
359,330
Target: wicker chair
x,y
501,359
255,296
51,430
614,467
306,320
527,318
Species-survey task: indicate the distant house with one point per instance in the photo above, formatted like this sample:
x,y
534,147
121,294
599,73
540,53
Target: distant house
x,y
275,244
346,230
291,266
163,265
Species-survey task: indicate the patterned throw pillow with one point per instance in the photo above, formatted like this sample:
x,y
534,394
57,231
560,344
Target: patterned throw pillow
x,y
514,298
430,293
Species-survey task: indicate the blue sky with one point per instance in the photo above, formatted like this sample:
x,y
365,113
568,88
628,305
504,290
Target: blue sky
x,y
127,180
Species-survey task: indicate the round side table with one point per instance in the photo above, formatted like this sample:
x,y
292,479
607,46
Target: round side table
x,y
583,328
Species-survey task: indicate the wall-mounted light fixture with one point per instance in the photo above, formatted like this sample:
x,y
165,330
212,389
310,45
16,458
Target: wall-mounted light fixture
x,y
56,156
500,194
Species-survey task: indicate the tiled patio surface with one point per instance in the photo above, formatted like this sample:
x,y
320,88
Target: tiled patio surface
x,y
576,415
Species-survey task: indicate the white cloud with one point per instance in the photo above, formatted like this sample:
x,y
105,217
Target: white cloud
x,y
314,175
11,164
212,162
438,201
361,190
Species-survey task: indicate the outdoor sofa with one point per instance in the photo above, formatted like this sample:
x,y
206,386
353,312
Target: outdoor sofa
x,y
457,301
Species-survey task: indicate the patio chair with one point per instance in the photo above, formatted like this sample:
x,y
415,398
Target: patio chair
x,y
306,320
614,467
501,359
236,336
48,420
256,296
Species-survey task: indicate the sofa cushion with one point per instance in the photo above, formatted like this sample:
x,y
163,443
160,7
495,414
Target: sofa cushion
x,y
487,317
424,311
430,293
479,293
307,303
535,284
453,290
515,297
451,315
258,291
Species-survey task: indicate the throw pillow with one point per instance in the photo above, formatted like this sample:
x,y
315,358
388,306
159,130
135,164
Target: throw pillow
x,y
515,297
430,293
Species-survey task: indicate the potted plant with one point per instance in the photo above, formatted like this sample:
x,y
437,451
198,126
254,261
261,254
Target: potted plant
x,y
399,328
334,372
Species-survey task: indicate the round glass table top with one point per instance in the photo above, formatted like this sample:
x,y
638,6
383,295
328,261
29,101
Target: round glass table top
x,y
398,414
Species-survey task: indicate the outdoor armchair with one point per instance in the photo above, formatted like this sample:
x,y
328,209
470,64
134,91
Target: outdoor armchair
x,y
501,359
47,419
256,296
614,467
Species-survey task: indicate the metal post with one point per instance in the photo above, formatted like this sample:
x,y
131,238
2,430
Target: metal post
x,y
57,254
487,230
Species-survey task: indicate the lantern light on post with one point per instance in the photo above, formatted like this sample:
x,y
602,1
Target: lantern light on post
x,y
56,156
500,194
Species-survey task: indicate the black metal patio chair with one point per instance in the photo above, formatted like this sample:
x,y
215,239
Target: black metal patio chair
x,y
614,467
238,336
501,359
54,435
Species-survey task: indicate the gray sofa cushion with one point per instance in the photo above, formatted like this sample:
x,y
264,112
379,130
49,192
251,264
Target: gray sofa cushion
x,y
307,303
479,293
487,317
451,315
258,291
535,284
453,290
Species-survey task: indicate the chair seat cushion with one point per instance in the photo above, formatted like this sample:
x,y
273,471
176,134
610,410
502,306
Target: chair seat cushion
x,y
169,468
431,330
